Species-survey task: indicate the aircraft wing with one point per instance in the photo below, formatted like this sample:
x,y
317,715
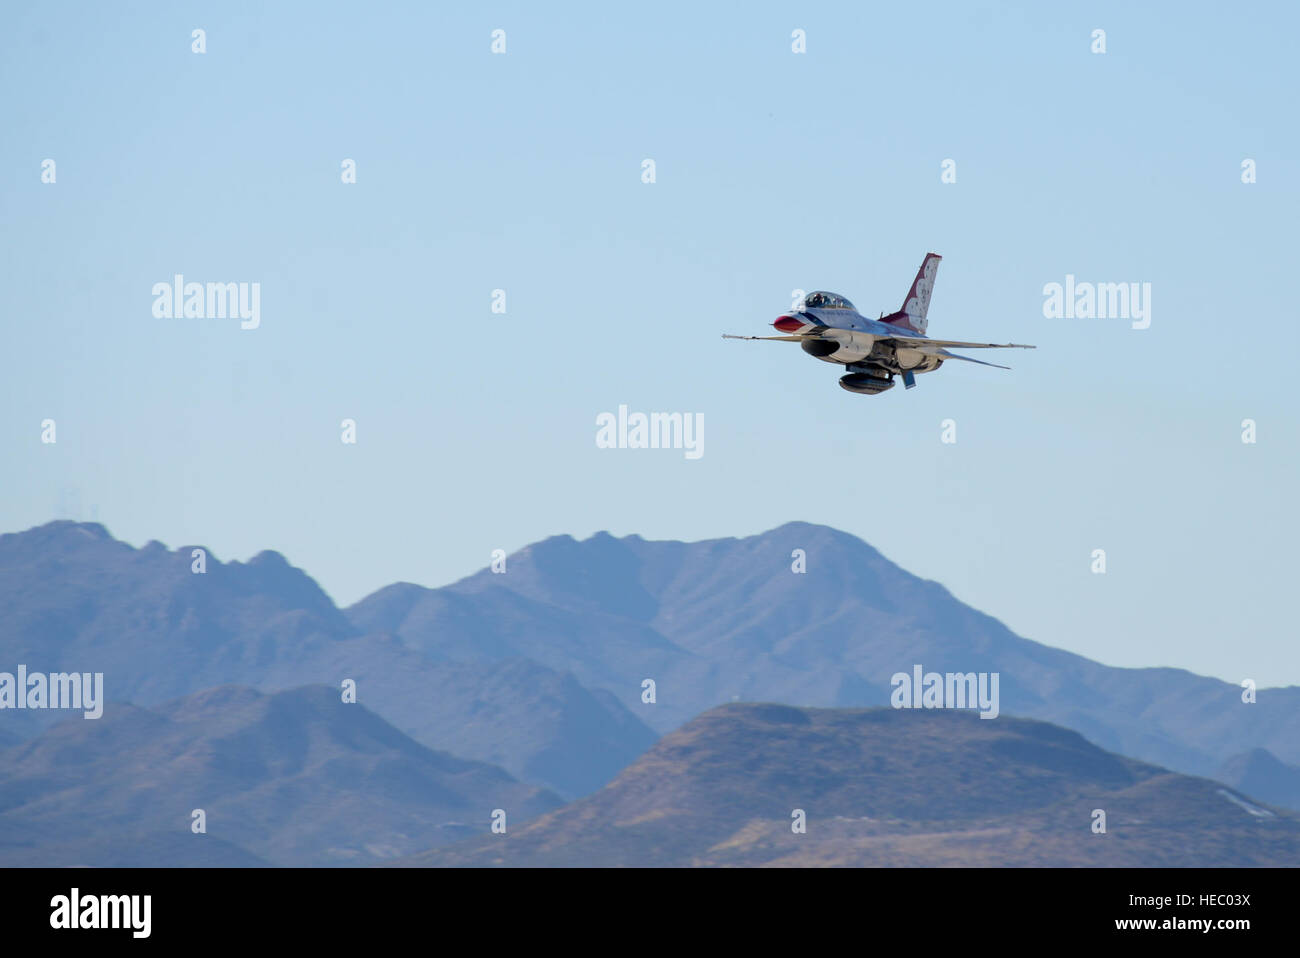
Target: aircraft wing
x,y
931,347
907,342
916,342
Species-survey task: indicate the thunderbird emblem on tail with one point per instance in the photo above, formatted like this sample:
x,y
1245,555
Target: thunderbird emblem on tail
x,y
874,351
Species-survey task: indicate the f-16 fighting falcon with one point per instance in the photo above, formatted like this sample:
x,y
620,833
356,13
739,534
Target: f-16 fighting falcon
x,y
873,351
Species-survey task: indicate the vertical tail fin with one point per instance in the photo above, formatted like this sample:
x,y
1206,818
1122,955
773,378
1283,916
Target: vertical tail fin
x,y
917,302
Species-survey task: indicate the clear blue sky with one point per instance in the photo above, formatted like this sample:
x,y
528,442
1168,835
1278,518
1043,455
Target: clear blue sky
x,y
775,171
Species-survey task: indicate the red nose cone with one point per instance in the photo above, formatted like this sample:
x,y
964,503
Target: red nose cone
x,y
787,324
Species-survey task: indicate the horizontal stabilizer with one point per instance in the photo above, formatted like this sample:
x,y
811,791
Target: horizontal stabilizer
x,y
944,354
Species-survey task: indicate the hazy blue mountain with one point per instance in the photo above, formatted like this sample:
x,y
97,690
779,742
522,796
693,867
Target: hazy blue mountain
x,y
727,619
77,599
540,725
710,622
887,787
293,778
1259,773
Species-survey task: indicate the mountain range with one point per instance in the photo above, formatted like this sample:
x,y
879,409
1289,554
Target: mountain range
x,y
290,778
78,600
543,673
727,619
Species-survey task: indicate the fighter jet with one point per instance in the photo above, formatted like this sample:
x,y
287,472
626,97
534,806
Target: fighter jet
x,y
874,351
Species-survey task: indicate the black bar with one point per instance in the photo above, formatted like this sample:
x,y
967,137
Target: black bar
x,y
667,909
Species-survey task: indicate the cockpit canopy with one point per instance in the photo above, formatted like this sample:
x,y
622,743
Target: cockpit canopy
x,y
819,299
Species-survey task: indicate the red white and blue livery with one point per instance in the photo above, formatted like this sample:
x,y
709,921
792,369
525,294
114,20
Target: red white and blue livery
x,y
874,351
